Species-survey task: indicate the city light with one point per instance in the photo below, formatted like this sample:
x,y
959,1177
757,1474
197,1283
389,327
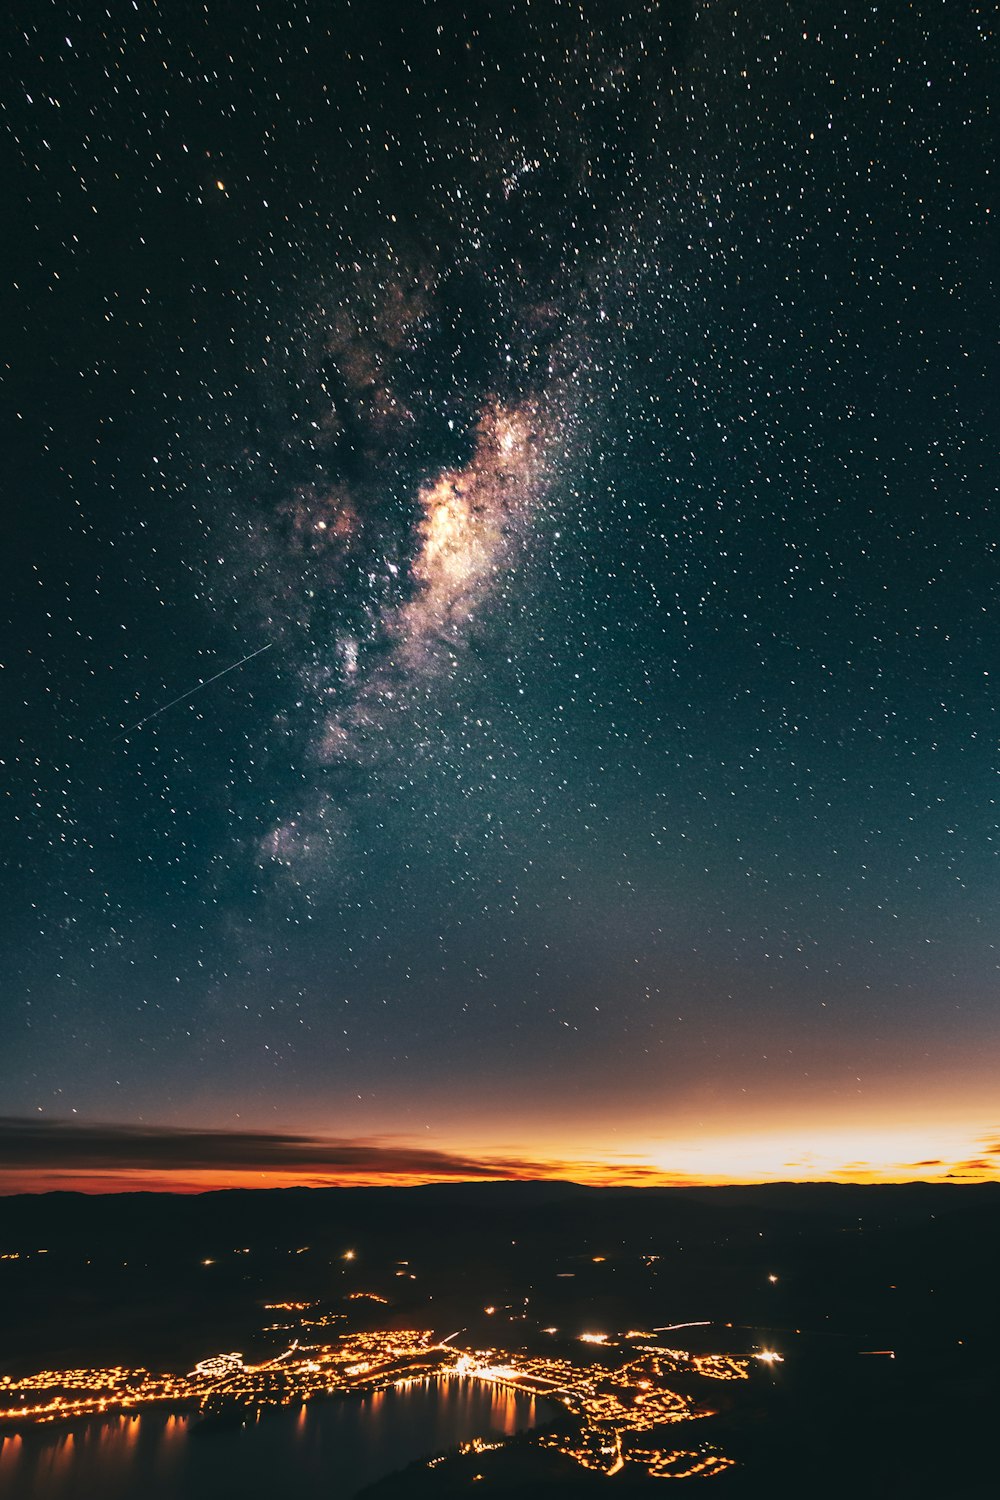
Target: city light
x,y
613,1406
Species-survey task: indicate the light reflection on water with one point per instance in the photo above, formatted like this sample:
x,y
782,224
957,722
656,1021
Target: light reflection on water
x,y
328,1448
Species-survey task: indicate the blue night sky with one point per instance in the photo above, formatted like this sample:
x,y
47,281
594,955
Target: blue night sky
x,y
580,431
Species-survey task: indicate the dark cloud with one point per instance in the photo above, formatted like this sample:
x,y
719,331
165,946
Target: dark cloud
x,y
44,1155
28,1145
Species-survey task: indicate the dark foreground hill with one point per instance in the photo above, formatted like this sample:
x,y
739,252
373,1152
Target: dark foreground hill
x,y
879,1299
889,1264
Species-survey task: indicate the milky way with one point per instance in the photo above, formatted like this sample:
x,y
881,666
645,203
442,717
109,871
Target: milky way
x,y
470,525
439,383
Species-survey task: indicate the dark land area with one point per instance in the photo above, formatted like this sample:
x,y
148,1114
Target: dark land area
x,y
880,1301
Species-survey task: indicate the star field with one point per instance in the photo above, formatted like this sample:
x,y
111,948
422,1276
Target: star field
x,y
585,425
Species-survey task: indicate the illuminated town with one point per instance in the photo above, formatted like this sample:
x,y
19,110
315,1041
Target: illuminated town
x,y
614,1390
427,1346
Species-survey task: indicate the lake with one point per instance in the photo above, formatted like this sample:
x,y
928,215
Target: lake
x,y
329,1448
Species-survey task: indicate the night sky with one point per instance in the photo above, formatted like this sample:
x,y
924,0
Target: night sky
x,y
582,432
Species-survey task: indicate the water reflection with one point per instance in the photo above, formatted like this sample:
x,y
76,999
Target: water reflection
x,y
328,1448
10,1455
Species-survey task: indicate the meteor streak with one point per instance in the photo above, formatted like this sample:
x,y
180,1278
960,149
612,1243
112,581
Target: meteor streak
x,y
191,691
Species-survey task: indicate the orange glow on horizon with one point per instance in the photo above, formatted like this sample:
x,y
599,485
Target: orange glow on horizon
x,y
854,1156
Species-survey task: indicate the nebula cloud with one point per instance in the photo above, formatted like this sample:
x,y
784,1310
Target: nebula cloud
x,y
471,523
432,388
